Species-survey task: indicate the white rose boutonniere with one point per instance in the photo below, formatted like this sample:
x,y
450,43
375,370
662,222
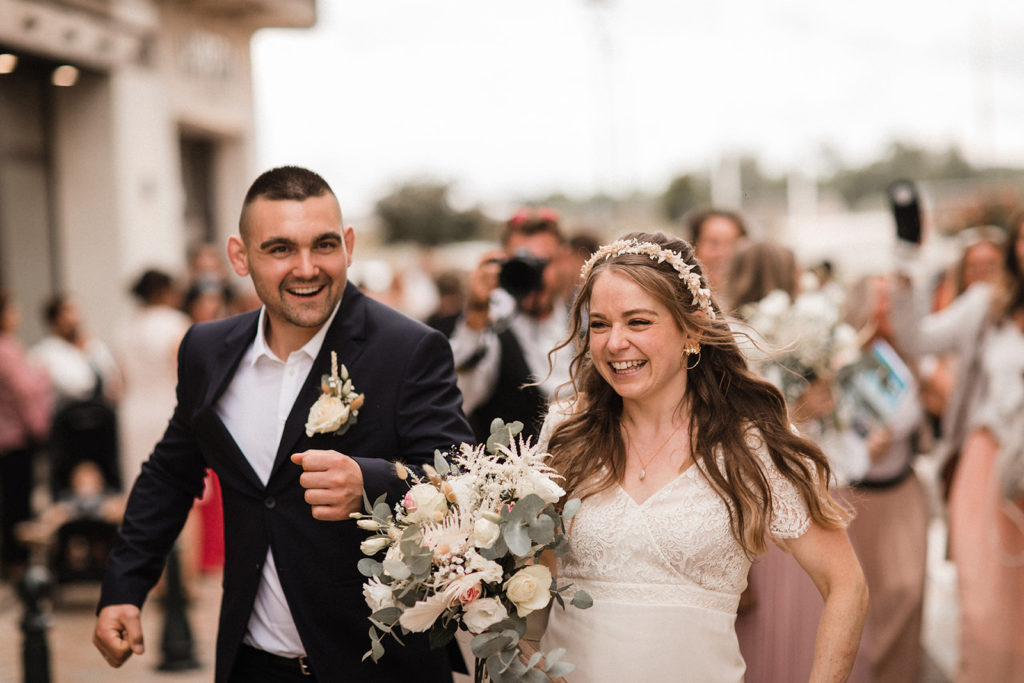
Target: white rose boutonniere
x,y
338,406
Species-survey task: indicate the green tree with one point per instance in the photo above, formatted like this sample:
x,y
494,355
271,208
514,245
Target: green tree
x,y
684,193
421,212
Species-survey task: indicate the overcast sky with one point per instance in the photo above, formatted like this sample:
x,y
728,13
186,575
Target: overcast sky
x,y
508,99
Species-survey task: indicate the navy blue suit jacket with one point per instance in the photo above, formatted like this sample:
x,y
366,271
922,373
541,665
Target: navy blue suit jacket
x,y
412,406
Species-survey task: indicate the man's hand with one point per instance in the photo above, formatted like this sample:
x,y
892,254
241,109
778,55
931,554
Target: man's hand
x,y
333,483
118,633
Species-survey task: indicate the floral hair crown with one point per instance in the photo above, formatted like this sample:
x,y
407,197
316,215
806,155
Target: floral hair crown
x,y
701,295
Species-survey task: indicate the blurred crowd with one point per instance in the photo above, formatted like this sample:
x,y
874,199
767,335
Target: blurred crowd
x,y
887,370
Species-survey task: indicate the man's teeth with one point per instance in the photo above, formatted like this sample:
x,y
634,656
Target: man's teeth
x,y
624,365
304,291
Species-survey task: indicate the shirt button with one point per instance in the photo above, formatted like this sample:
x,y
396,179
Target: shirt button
x,y
270,503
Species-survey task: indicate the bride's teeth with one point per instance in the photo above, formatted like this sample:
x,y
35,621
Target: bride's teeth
x,y
627,365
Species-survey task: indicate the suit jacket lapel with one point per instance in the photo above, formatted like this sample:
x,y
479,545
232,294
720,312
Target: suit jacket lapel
x,y
345,336
229,355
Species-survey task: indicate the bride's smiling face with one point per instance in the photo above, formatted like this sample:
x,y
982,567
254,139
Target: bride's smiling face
x,y
635,343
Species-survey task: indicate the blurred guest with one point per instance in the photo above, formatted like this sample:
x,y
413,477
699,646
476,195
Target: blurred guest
x,y
982,428
515,314
759,268
715,233
147,350
208,270
207,300
26,407
778,620
981,260
451,293
581,246
80,366
890,530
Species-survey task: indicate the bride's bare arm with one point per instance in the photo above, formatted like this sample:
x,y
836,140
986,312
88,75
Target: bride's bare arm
x,y
829,559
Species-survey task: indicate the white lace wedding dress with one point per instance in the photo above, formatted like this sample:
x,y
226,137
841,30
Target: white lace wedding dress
x,y
666,577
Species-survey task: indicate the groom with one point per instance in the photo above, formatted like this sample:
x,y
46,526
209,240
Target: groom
x,y
292,607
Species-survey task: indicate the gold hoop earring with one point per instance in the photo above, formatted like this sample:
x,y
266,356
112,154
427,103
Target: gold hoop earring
x,y
689,350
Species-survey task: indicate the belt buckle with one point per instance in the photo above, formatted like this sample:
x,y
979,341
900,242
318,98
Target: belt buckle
x,y
304,666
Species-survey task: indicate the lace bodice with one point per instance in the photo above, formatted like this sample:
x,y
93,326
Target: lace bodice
x,y
675,547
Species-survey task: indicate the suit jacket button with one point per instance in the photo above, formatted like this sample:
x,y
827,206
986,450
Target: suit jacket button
x,y
270,503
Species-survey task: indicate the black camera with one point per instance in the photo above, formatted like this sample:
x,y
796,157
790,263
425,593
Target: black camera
x,y
906,209
522,275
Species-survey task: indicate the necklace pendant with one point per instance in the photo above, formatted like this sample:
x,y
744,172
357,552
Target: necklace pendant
x,y
643,473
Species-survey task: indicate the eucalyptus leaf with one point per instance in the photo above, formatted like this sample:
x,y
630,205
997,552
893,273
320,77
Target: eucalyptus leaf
x,y
376,648
560,669
542,530
441,464
487,644
381,513
518,539
420,564
366,503
553,656
570,509
536,657
387,615
582,600
370,567
527,509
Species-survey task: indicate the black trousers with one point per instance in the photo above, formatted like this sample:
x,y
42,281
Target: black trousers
x,y
15,503
257,666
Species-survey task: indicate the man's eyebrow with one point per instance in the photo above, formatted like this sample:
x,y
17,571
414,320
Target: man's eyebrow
x,y
286,242
277,241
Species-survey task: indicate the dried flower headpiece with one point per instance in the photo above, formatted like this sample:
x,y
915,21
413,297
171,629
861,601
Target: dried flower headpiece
x,y
701,295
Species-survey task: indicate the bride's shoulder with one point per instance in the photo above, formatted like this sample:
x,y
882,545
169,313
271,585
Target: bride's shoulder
x,y
558,412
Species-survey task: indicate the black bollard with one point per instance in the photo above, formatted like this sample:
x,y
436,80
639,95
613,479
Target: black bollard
x,y
177,646
33,588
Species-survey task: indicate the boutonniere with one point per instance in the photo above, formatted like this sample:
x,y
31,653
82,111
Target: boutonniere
x,y
338,406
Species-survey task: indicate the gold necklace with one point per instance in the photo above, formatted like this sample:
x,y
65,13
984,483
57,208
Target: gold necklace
x,y
643,465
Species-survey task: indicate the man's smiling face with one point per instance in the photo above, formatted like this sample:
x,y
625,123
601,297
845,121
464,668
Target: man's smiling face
x,y
297,253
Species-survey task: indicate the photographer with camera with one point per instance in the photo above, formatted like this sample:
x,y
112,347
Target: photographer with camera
x,y
515,313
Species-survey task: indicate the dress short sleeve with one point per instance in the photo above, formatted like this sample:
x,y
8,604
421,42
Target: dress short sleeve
x,y
790,516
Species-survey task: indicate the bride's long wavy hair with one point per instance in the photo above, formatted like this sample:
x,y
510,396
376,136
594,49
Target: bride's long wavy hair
x,y
731,411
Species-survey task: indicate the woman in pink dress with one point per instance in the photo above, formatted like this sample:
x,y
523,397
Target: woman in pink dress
x,y
984,421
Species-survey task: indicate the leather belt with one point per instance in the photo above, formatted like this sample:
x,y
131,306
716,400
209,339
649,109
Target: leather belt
x,y
292,665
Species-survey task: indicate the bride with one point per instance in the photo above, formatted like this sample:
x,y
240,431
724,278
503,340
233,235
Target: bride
x,y
688,468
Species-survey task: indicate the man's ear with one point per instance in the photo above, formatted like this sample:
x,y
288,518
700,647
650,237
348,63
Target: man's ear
x,y
238,256
348,234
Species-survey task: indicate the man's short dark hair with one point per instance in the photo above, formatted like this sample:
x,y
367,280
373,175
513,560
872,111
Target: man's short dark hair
x,y
287,182
284,183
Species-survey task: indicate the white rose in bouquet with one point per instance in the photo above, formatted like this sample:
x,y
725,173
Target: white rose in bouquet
x,y
483,613
540,484
489,570
529,589
485,533
378,596
424,503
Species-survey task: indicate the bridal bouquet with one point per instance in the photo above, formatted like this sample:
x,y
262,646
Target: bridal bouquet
x,y
461,551
809,339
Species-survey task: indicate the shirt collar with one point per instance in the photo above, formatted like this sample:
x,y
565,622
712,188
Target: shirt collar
x,y
260,348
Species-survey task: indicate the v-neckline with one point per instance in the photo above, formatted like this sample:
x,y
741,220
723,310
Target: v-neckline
x,y
664,486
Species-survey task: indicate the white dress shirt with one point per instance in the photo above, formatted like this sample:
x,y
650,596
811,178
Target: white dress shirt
x,y
254,409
